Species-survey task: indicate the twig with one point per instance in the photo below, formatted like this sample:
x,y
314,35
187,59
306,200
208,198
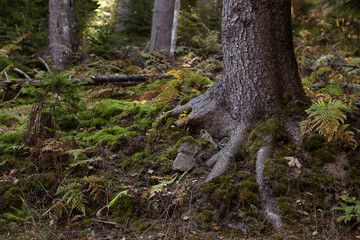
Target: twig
x,y
314,56
116,68
106,222
23,73
7,77
45,64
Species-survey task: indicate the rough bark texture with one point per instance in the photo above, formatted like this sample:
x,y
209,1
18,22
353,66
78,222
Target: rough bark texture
x,y
163,16
122,10
260,77
62,32
174,28
40,126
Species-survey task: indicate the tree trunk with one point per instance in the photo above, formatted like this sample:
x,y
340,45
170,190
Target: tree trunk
x,y
62,32
122,11
163,16
174,28
259,80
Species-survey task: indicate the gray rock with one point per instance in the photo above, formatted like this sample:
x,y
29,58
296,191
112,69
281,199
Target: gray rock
x,y
185,160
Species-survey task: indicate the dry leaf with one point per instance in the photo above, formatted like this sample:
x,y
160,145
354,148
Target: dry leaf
x,y
293,162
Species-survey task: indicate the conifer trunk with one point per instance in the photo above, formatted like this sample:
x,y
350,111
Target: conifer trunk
x,y
260,77
62,32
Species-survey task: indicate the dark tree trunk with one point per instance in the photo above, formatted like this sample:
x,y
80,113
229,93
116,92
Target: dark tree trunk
x,y
162,22
62,32
260,80
260,76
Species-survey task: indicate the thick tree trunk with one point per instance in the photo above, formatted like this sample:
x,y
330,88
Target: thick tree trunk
x,y
122,11
163,16
259,80
62,32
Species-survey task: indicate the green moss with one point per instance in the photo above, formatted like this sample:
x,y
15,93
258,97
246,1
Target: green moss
x,y
322,156
11,137
144,226
124,208
314,143
8,120
11,198
265,128
204,216
111,137
186,99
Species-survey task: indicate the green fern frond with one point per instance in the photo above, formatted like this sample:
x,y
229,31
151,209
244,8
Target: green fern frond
x,y
73,196
325,118
324,60
84,162
334,90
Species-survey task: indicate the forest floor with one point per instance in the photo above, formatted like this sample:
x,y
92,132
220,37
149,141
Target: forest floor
x,y
104,170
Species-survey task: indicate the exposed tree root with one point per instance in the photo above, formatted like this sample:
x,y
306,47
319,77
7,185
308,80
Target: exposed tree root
x,y
265,191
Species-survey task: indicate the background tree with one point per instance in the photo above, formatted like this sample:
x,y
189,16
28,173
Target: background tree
x,y
122,11
62,32
259,80
162,23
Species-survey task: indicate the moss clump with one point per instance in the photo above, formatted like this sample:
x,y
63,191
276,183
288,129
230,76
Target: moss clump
x,y
266,128
186,99
124,208
322,156
111,137
144,226
204,216
314,143
8,120
11,198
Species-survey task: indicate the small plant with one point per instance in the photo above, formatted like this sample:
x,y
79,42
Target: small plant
x,y
351,208
327,118
73,197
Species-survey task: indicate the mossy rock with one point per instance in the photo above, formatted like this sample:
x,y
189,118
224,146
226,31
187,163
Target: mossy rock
x,y
322,156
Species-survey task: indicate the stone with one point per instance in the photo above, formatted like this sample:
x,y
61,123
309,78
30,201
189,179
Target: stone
x,y
186,158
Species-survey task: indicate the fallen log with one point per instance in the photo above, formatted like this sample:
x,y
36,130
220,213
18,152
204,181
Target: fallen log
x,y
118,80
124,78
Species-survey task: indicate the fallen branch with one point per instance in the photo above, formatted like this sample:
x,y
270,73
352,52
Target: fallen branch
x,y
7,77
45,64
124,78
23,73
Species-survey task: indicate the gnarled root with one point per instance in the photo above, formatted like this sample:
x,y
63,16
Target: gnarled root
x,y
265,191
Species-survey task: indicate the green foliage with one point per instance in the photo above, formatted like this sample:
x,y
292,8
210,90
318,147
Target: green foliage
x,y
351,209
325,118
60,94
73,197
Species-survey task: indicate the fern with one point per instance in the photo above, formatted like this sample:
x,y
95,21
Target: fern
x,y
96,187
324,60
334,90
73,196
324,118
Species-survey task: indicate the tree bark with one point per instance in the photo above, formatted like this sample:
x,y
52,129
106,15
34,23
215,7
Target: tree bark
x,y
122,11
174,28
259,80
163,16
62,32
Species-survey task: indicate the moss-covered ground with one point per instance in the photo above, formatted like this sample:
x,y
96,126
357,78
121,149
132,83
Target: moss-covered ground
x,y
107,172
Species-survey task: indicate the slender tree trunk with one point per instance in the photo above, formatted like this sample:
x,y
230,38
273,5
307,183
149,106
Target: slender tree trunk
x,y
259,80
163,16
174,28
62,32
122,11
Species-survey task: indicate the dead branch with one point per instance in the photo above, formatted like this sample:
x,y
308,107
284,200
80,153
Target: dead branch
x,y
45,64
7,77
23,73
124,78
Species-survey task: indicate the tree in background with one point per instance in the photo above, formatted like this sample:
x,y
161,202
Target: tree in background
x,y
122,11
62,32
260,77
162,24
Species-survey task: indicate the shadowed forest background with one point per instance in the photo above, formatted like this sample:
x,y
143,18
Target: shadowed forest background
x,y
95,148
